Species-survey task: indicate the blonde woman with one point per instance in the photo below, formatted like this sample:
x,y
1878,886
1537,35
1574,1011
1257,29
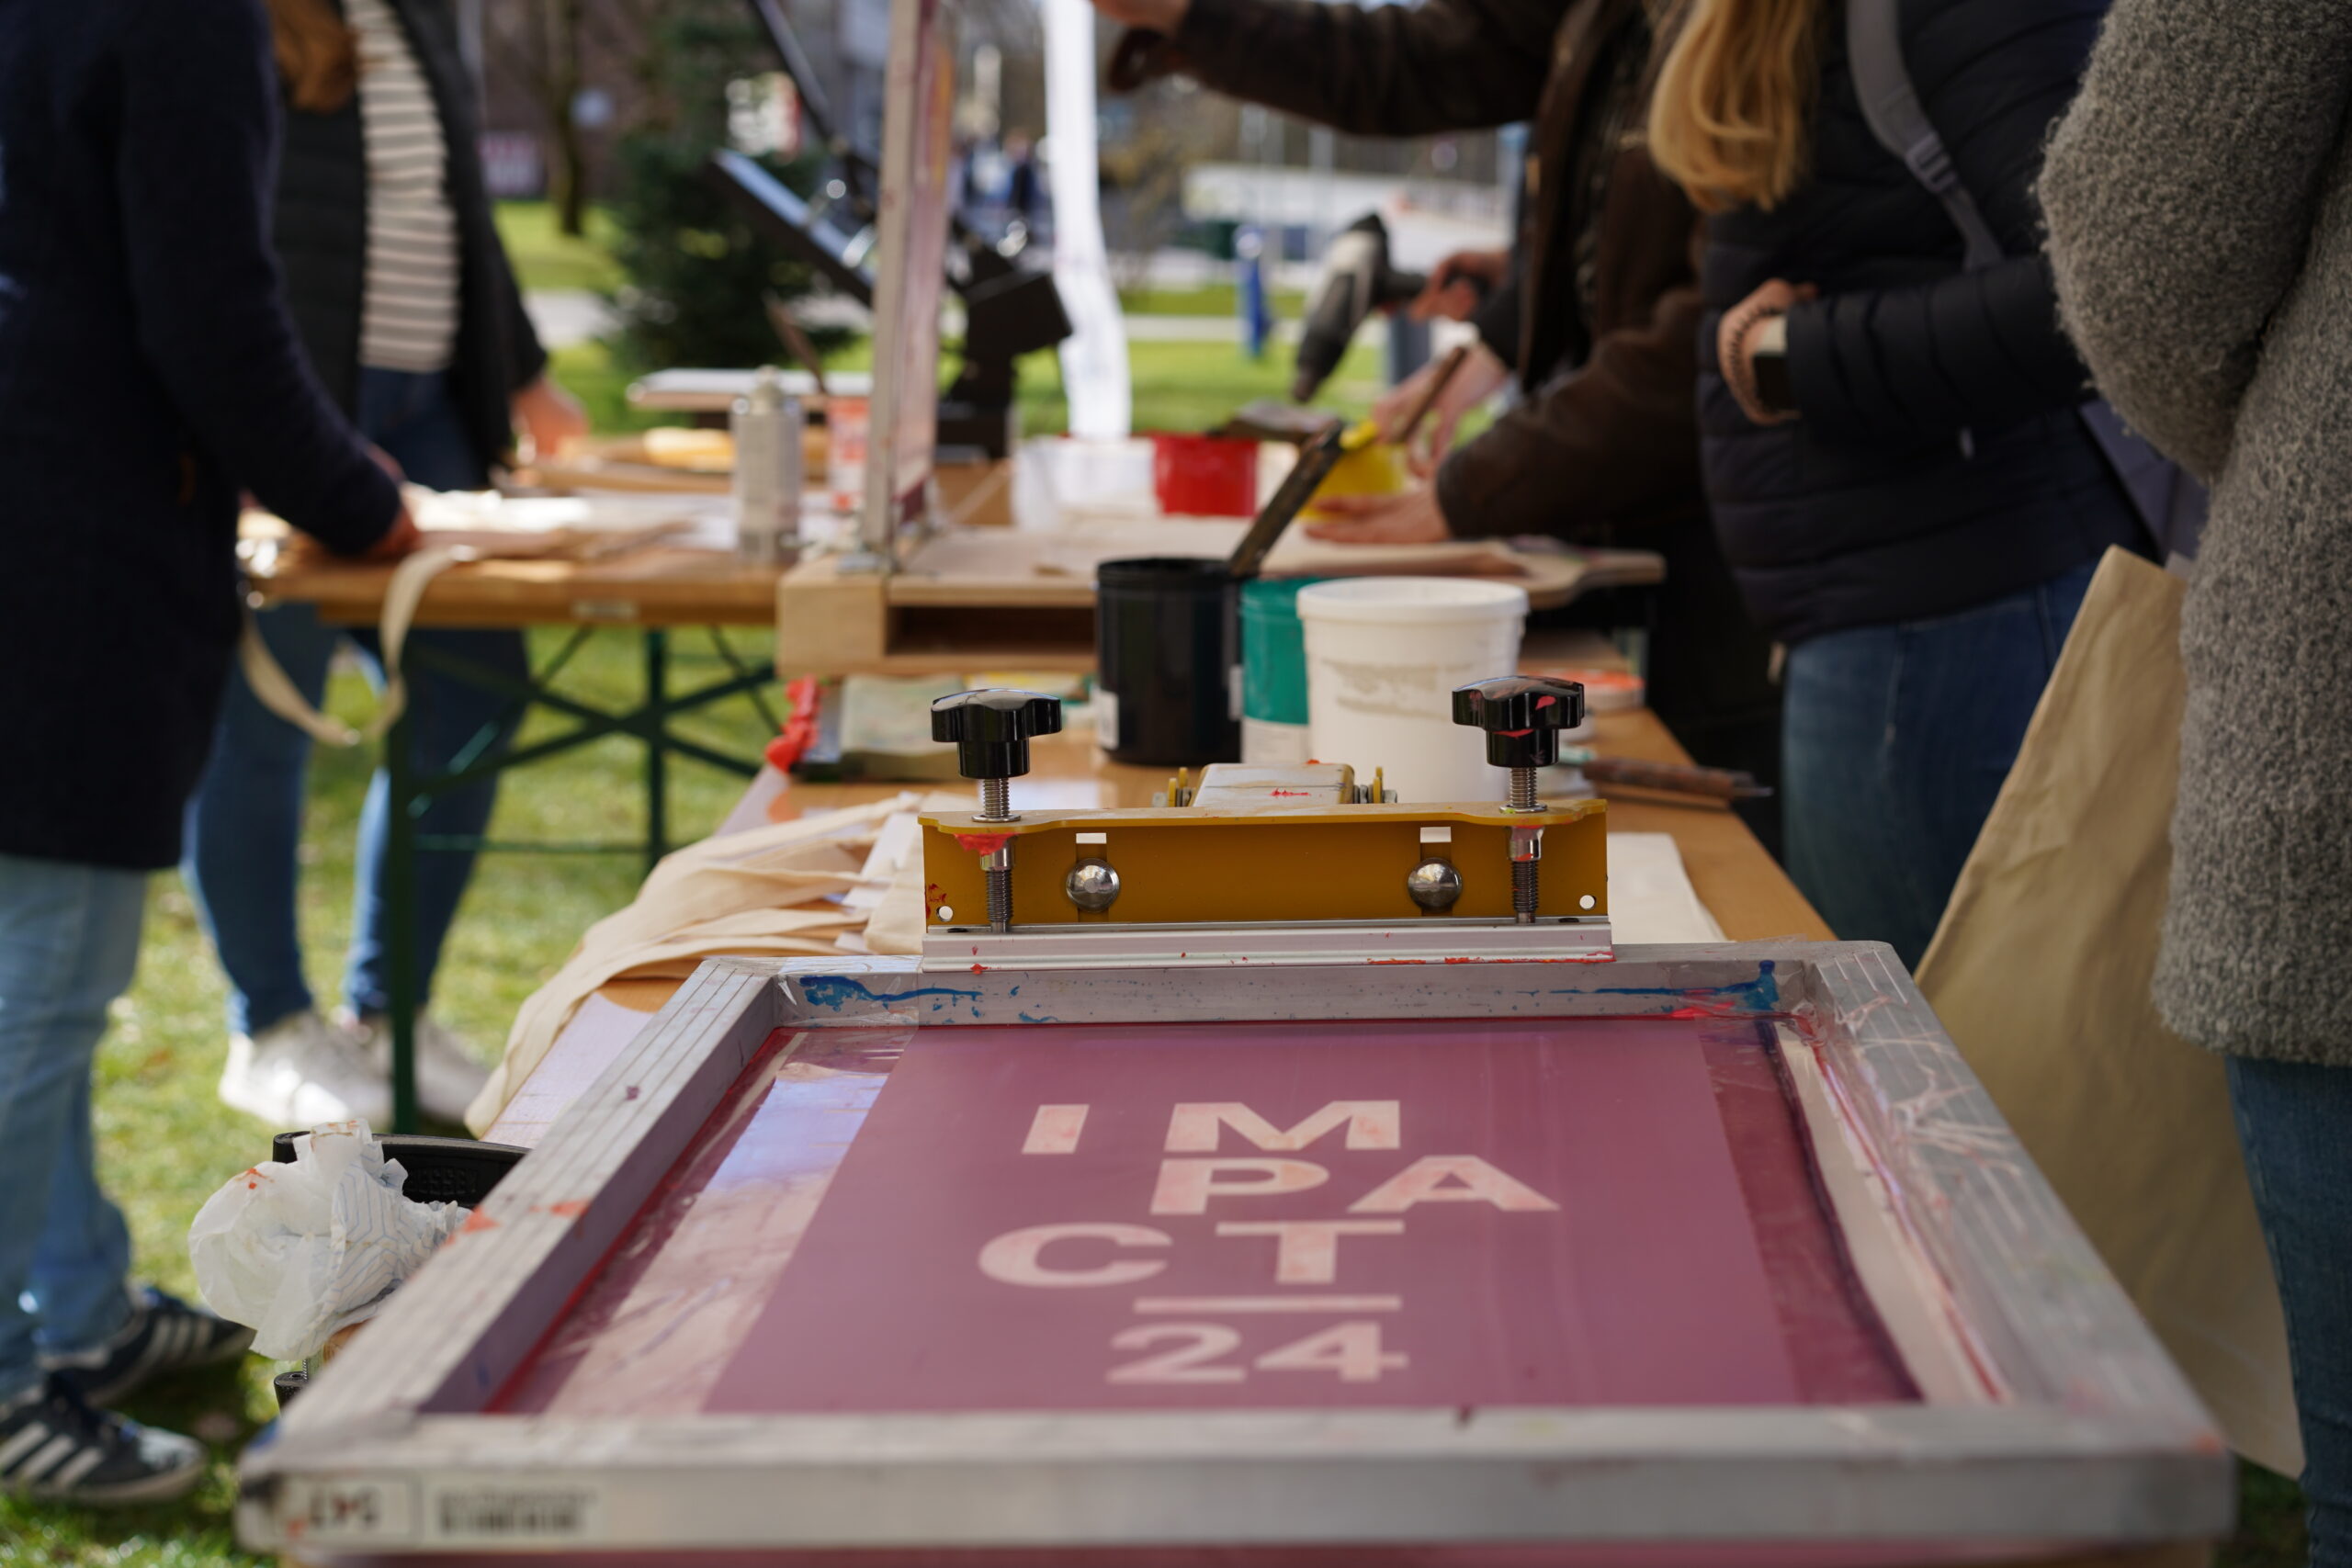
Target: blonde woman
x,y
1896,469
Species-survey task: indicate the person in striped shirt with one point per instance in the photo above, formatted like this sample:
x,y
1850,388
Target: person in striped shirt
x,y
406,304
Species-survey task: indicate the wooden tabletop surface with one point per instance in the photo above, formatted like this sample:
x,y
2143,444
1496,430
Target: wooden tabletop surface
x,y
658,586
655,586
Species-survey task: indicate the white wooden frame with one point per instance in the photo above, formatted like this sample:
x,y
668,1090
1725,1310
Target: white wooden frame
x,y
2053,1416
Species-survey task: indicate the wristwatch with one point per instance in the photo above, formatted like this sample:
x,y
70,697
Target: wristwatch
x,y
1769,354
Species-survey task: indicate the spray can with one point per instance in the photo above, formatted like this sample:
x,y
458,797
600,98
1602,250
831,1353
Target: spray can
x,y
767,426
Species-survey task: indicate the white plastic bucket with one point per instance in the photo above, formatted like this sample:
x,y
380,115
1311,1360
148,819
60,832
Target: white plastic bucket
x,y
1383,655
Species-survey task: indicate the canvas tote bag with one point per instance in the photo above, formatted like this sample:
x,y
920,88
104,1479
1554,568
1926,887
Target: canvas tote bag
x,y
2040,972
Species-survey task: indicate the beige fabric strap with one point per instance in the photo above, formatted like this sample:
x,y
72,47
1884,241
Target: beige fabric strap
x,y
277,693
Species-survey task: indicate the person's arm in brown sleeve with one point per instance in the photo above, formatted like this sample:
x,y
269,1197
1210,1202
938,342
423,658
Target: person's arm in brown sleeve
x,y
1614,442
1384,70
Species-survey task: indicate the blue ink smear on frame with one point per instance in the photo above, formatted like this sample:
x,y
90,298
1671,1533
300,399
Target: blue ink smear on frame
x,y
1760,995
835,992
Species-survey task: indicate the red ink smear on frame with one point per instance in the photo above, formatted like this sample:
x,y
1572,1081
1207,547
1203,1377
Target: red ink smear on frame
x,y
982,843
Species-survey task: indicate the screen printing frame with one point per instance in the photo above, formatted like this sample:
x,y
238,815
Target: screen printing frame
x,y
2051,1416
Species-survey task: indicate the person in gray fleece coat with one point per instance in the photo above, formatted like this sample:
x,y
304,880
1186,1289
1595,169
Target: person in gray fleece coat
x,y
2199,202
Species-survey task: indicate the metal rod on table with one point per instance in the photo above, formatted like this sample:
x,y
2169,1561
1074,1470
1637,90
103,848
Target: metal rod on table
x,y
1711,784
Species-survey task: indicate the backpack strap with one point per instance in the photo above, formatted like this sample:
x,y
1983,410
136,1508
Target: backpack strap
x,y
1891,104
2170,502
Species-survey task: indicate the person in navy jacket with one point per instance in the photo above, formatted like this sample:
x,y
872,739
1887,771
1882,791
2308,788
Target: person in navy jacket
x,y
149,374
1913,506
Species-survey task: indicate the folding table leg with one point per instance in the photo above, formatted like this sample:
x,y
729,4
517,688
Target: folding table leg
x,y
400,901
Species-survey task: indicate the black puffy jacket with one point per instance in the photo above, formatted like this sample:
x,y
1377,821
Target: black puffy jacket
x,y
321,232
1939,462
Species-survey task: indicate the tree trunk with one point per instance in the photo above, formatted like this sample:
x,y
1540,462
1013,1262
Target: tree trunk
x,y
560,83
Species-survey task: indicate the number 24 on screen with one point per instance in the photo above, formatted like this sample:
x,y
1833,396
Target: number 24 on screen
x,y
1194,1352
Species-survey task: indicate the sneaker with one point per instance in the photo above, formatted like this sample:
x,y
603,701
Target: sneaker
x,y
164,1335
54,1446
448,1074
303,1072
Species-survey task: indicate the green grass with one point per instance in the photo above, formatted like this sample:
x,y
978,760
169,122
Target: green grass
x,y
1178,385
166,1142
2270,1523
601,383
1204,299
544,256
1192,386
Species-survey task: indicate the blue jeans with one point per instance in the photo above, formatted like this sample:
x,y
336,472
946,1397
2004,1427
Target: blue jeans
x,y
2295,1126
246,823
1896,739
69,943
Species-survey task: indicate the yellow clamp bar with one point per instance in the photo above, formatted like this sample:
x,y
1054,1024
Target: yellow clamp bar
x,y
1185,865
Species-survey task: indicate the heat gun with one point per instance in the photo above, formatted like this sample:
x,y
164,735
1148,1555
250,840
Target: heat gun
x,y
1357,280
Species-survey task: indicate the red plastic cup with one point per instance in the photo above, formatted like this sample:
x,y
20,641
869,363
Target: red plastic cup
x,y
1204,476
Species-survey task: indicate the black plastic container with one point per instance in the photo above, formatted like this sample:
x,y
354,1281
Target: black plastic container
x,y
1167,653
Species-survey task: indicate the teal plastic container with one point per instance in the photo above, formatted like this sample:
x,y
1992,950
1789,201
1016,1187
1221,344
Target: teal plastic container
x,y
1273,650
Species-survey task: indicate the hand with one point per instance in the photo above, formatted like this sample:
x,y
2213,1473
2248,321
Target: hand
x,y
552,418
1459,284
1736,344
400,539
1480,377
1412,518
1159,15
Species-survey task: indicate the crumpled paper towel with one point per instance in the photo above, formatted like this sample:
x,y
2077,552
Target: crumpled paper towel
x,y
298,1252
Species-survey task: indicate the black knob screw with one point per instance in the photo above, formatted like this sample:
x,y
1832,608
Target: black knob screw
x,y
1522,715
991,730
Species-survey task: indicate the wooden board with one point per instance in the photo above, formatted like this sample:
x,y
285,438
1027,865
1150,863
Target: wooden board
x,y
658,586
1013,599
